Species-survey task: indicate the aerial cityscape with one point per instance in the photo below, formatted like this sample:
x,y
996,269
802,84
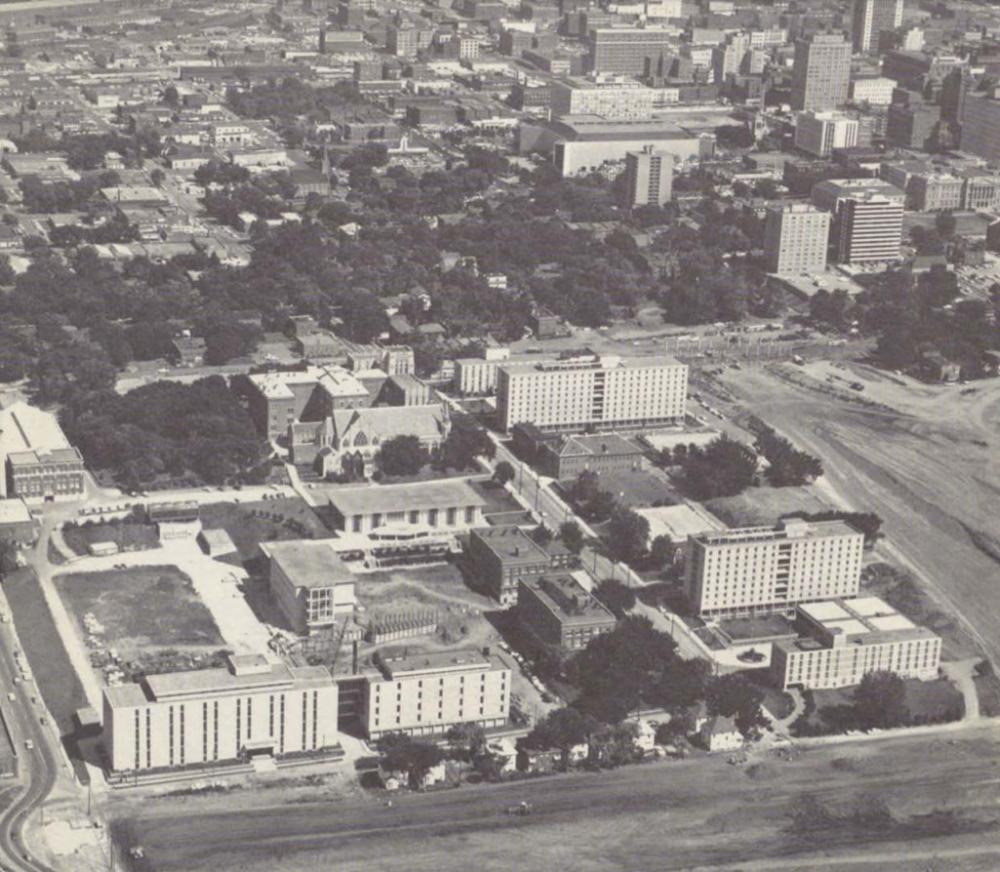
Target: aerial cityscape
x,y
499,435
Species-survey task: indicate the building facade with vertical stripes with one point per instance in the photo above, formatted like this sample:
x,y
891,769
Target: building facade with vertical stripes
x,y
208,716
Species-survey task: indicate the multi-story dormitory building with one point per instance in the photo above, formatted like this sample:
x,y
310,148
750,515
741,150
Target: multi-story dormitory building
x,y
592,392
427,693
762,570
251,708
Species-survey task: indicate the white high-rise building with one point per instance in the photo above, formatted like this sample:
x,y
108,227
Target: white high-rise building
x,y
796,239
870,18
869,229
819,133
649,177
588,391
762,570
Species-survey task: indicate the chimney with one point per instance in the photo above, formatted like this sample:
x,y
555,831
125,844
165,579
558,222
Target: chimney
x,y
354,657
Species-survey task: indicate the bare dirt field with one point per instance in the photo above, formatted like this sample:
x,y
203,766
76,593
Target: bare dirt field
x,y
922,457
910,799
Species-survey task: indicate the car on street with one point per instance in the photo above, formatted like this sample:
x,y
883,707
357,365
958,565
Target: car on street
x,y
11,696
29,744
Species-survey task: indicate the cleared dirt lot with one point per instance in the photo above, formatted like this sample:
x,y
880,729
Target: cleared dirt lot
x,y
925,459
140,609
889,798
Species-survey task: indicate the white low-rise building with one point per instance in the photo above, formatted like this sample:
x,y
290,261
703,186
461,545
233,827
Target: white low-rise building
x,y
843,640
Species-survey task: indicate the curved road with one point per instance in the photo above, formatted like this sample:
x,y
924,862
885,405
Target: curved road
x,y
38,766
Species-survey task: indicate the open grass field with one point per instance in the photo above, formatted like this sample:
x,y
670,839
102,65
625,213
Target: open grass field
x,y
54,673
250,523
128,537
140,609
762,506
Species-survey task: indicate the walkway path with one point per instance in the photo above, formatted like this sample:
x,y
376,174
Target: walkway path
x,y
962,672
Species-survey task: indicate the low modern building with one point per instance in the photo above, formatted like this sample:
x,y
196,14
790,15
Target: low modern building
x,y
844,639
426,694
581,143
502,557
310,583
610,97
38,461
207,716
760,570
16,522
561,613
572,455
449,503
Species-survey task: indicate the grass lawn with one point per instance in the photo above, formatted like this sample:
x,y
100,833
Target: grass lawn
x,y
140,609
498,500
251,523
763,506
635,488
128,537
54,673
932,700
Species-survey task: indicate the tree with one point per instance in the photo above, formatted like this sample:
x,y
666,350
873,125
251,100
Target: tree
x,y
736,697
170,96
157,176
615,744
572,536
628,533
661,551
402,455
503,472
880,701
468,739
8,556
618,598
416,759
466,441
944,223
562,728
363,315
723,468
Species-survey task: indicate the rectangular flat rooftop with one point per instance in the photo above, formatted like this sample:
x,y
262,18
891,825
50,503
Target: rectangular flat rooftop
x,y
440,661
512,545
309,563
390,498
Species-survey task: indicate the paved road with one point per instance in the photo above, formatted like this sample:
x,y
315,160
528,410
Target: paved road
x,y
664,815
38,766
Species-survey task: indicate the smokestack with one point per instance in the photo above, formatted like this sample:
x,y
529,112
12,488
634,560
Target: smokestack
x,y
354,657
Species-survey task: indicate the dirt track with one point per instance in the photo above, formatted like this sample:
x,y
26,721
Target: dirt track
x,y
925,459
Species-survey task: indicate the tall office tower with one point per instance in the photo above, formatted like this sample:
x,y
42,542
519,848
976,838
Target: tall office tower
x,y
762,570
819,133
402,41
821,72
980,117
796,238
869,229
589,391
728,59
634,51
871,17
649,177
